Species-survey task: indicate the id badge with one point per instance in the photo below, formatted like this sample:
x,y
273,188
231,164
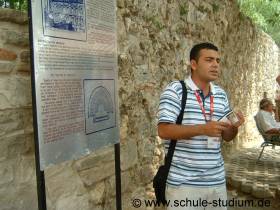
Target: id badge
x,y
213,142
208,117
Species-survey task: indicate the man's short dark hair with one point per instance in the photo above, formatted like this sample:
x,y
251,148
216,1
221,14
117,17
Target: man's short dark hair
x,y
194,54
264,103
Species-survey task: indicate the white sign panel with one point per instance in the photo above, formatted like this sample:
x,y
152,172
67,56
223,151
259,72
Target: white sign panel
x,y
75,64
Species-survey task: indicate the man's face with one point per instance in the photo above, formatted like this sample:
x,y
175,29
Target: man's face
x,y
270,107
207,67
278,79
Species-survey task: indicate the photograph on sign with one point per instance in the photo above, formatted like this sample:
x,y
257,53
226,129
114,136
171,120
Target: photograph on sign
x,y
64,19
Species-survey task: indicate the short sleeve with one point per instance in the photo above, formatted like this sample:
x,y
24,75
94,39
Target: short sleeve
x,y
266,122
227,107
169,104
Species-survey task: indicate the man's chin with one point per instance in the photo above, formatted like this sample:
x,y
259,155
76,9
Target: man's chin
x,y
213,78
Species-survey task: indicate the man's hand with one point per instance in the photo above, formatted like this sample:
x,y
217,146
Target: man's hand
x,y
214,128
232,130
241,119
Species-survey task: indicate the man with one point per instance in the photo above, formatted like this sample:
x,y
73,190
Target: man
x,y
277,99
197,170
278,80
268,125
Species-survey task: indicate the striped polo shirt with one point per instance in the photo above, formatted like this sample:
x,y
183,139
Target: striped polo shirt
x,y
193,163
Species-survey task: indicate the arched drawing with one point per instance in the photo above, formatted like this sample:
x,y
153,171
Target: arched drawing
x,y
100,105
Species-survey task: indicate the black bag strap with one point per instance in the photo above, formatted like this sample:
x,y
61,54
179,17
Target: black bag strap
x,y
172,143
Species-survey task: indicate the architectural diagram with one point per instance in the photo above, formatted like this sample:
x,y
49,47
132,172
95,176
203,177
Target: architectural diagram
x,y
99,105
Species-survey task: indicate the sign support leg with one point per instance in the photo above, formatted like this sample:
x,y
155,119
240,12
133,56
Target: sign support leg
x,y
118,177
41,191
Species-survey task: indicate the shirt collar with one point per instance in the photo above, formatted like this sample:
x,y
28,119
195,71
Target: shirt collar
x,y
190,83
266,112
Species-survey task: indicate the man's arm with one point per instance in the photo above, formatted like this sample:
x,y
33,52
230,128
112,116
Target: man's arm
x,y
273,131
176,132
267,125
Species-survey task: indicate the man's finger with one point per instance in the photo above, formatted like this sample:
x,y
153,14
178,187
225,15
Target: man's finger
x,y
224,124
223,127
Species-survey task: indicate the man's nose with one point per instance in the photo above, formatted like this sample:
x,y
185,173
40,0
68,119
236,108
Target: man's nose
x,y
216,63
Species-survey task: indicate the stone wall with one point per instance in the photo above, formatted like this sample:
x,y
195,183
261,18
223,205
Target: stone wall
x,y
17,172
154,40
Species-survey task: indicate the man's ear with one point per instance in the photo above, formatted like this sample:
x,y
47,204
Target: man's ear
x,y
193,64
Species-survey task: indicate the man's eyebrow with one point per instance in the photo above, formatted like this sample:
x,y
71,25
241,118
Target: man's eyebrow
x,y
212,58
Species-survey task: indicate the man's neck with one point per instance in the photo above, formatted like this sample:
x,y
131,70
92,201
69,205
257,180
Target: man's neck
x,y
202,85
267,111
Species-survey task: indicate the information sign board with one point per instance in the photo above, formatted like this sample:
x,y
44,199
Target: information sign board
x,y
75,73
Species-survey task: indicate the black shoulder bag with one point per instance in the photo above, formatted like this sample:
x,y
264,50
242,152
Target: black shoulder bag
x,y
159,181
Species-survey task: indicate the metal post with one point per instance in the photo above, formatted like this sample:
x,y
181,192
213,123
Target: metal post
x,y
118,177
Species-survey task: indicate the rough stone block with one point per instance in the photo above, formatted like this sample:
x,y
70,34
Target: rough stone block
x,y
3,150
128,181
17,143
13,16
73,202
96,207
10,125
6,66
21,197
15,136
121,27
110,204
6,173
96,174
127,185
147,173
97,193
124,127
23,67
63,181
236,181
7,55
25,56
278,193
15,92
260,191
16,119
25,171
96,159
120,3
110,188
246,187
129,156
146,148
17,38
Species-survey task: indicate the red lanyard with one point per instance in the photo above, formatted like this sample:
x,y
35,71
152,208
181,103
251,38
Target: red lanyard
x,y
202,107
